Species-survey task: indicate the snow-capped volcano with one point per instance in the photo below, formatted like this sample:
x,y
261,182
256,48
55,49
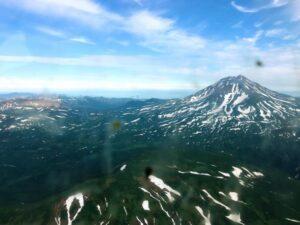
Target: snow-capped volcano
x,y
233,103
240,97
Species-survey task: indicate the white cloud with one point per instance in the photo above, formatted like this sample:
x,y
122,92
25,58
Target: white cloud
x,y
272,4
174,41
275,32
139,2
258,24
153,31
186,57
82,40
161,34
255,38
102,82
60,34
294,10
278,22
50,31
278,3
238,25
113,61
218,59
87,6
145,23
118,41
84,11
291,9
243,9
289,37
282,34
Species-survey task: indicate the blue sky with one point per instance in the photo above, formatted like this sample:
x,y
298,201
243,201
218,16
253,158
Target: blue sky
x,y
139,47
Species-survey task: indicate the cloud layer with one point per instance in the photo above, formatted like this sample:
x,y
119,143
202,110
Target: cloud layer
x,y
171,57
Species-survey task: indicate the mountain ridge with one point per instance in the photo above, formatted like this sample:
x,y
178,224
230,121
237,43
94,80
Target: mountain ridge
x,y
230,101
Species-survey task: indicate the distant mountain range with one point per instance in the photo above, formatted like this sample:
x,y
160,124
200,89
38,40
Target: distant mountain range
x,y
234,114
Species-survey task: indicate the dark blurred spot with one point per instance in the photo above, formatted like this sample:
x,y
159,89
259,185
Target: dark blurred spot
x,y
116,125
148,171
259,63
